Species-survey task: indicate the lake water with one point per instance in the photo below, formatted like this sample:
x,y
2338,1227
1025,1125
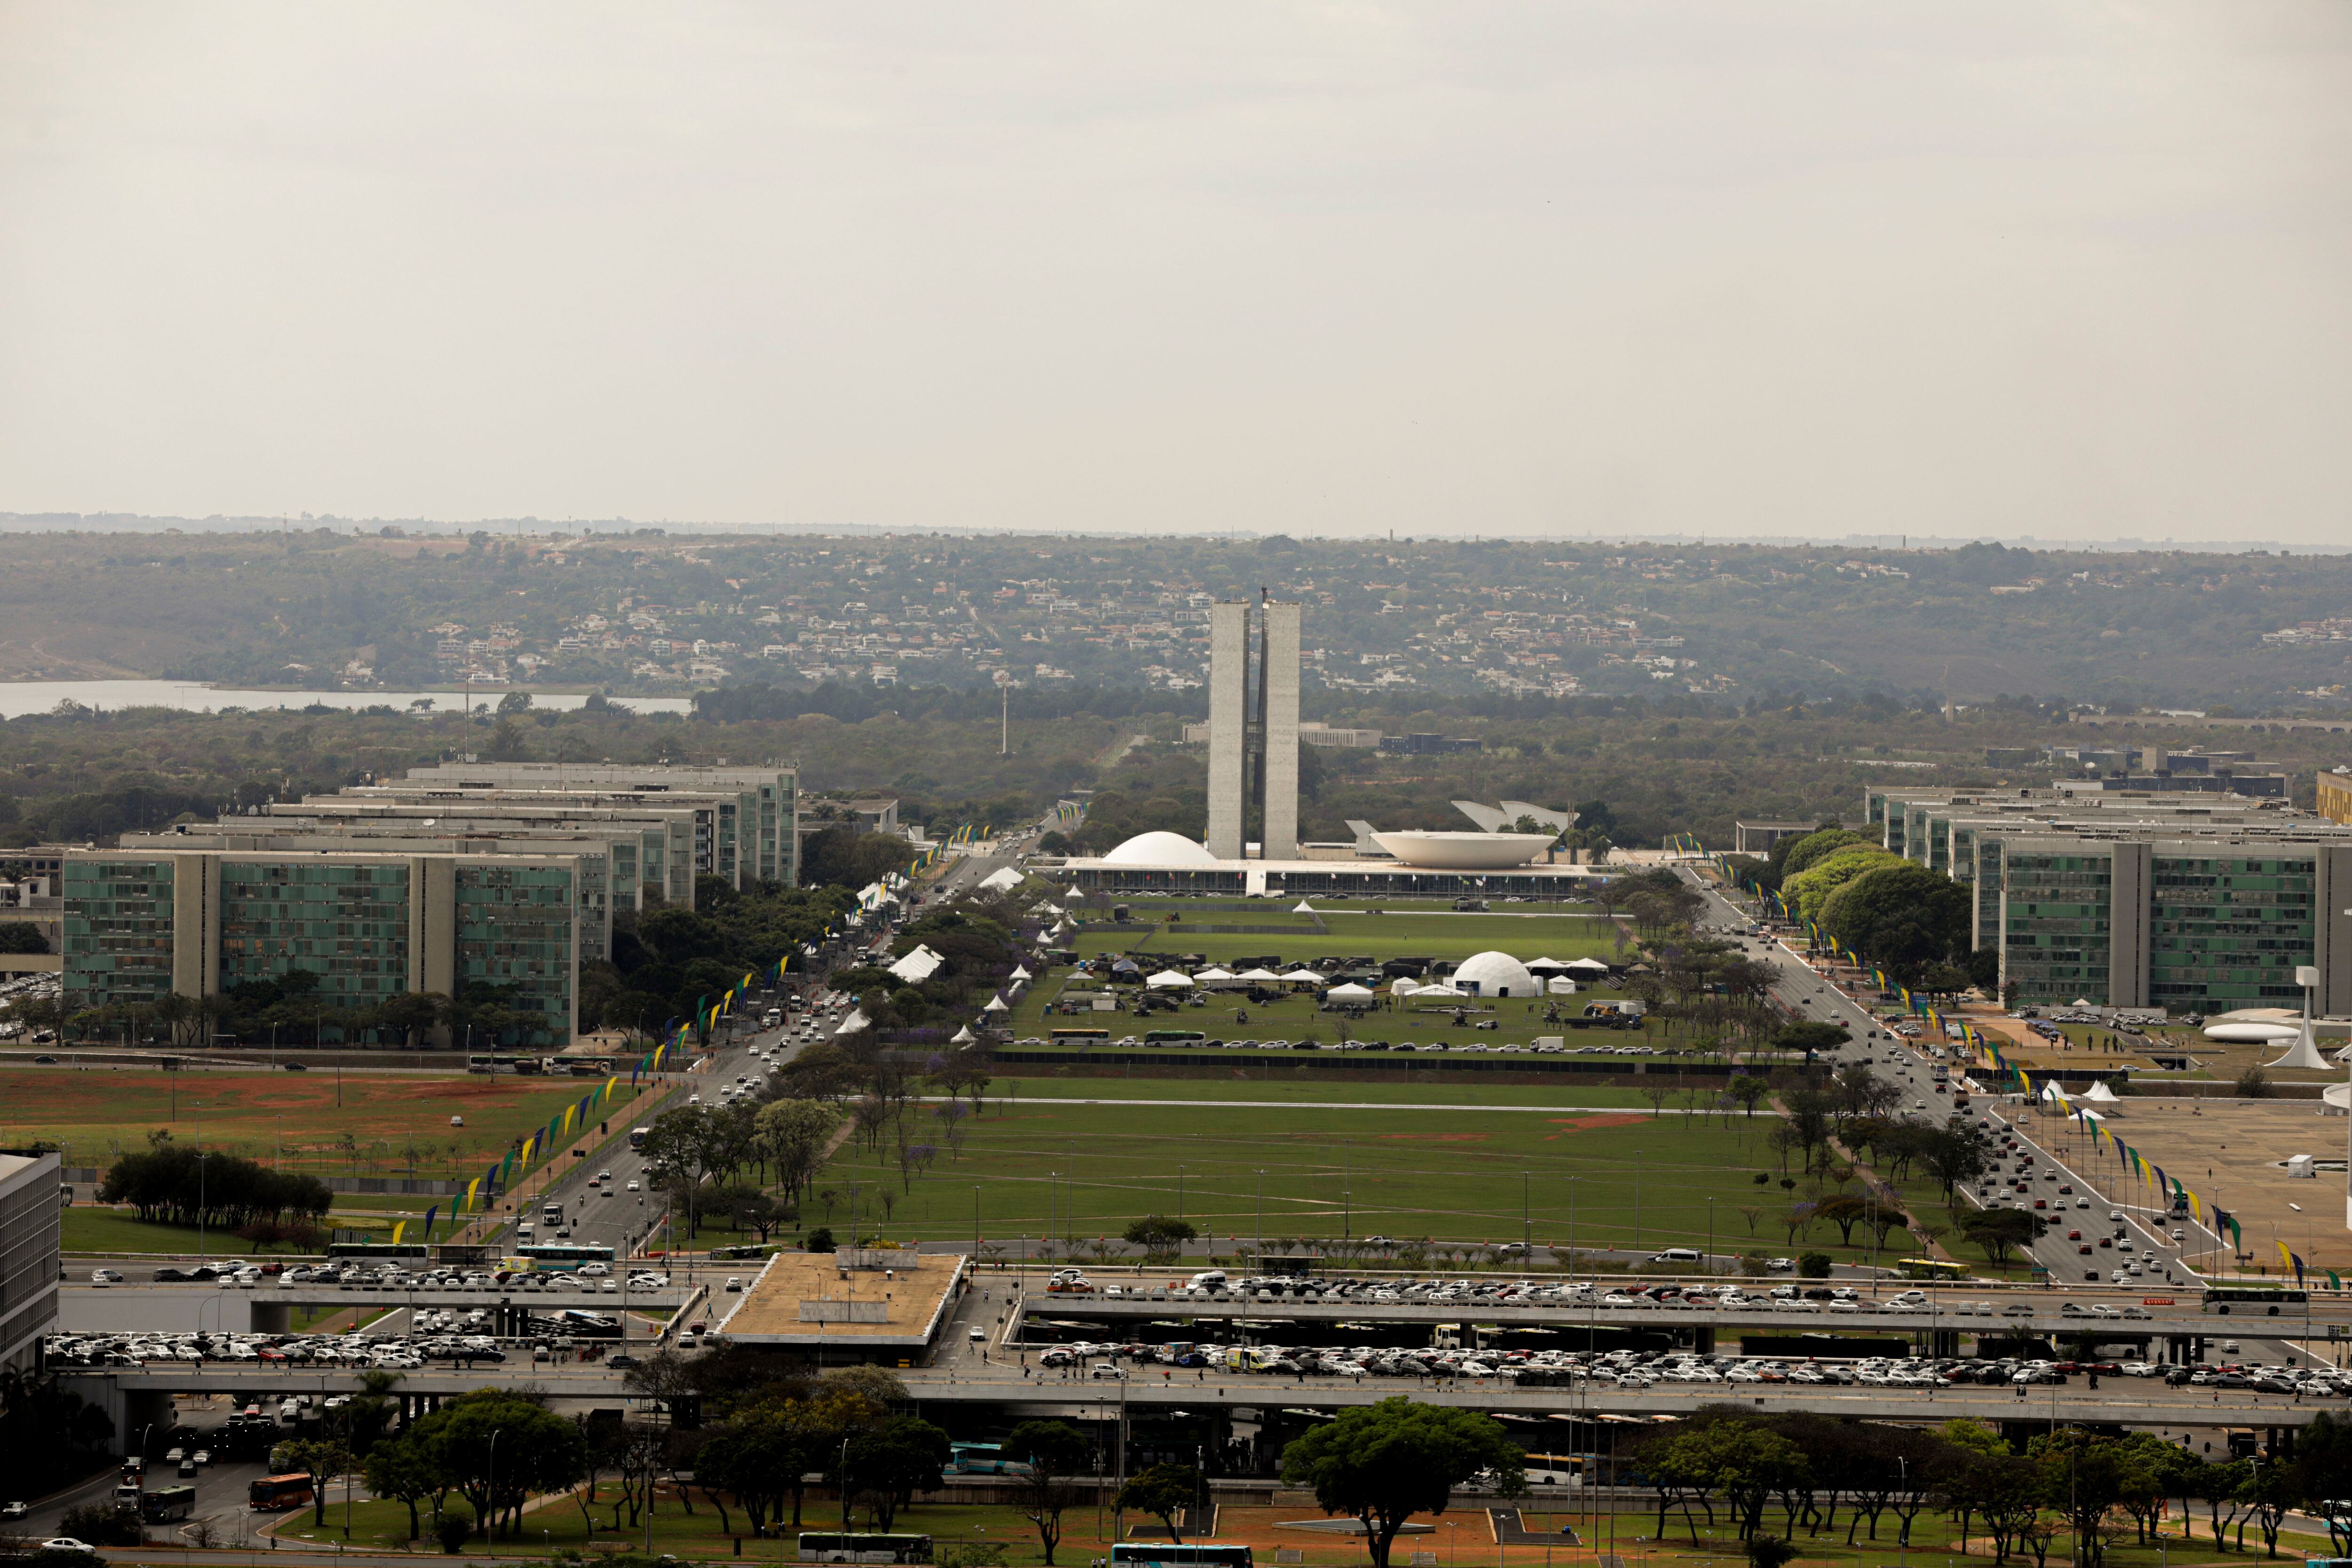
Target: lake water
x,y
19,698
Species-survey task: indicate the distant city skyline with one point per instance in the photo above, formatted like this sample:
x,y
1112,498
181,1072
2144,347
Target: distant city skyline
x,y
1831,271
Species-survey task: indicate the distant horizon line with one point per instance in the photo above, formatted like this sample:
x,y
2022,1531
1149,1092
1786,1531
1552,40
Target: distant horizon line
x,y
33,523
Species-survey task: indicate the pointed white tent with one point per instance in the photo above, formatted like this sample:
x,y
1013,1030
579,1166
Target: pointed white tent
x,y
917,966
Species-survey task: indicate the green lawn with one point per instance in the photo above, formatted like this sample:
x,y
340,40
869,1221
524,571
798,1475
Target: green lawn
x,y
1229,1016
1460,1537
357,1124
1534,934
1039,1167
1320,1092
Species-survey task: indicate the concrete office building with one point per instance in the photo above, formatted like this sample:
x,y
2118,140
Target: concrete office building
x,y
596,891
755,811
2198,904
1254,758
140,924
29,1244
1228,727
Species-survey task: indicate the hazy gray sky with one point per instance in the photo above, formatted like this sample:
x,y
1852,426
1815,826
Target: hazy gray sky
x,y
2074,269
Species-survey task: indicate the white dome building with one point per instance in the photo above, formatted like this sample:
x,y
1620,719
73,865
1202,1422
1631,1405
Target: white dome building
x,y
1496,975
1160,849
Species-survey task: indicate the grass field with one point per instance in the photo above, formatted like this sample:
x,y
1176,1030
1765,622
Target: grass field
x,y
1045,1166
1378,937
1401,1094
93,1115
1230,1017
1459,1538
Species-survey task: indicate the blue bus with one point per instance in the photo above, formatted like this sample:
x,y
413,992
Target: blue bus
x,y
1184,1554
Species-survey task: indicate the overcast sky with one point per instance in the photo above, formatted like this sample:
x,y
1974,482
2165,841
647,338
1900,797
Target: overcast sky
x,y
2068,270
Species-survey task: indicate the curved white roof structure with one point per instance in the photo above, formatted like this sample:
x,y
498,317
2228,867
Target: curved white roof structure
x,y
2250,1034
1496,975
1160,850
1463,851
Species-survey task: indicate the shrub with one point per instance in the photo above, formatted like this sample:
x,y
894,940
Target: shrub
x,y
101,1524
453,1530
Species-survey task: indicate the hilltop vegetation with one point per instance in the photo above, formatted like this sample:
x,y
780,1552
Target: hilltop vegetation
x,y
640,609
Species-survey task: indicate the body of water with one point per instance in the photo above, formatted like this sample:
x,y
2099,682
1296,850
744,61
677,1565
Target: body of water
x,y
19,698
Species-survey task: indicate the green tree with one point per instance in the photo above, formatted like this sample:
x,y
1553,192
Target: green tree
x,y
1160,1235
1382,1463
496,1448
321,1459
890,1465
1054,1451
1164,1491
1999,1232
406,1470
1904,915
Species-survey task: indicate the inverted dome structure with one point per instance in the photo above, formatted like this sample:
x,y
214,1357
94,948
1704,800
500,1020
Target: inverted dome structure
x,y
1464,851
1496,975
1160,850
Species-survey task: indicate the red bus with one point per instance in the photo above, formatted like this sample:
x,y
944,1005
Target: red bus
x,y
279,1492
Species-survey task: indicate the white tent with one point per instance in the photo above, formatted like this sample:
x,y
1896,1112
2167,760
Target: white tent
x,y
1561,986
962,1037
1259,974
2099,1091
1350,992
1001,881
917,966
996,1004
1171,980
1587,966
1304,977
